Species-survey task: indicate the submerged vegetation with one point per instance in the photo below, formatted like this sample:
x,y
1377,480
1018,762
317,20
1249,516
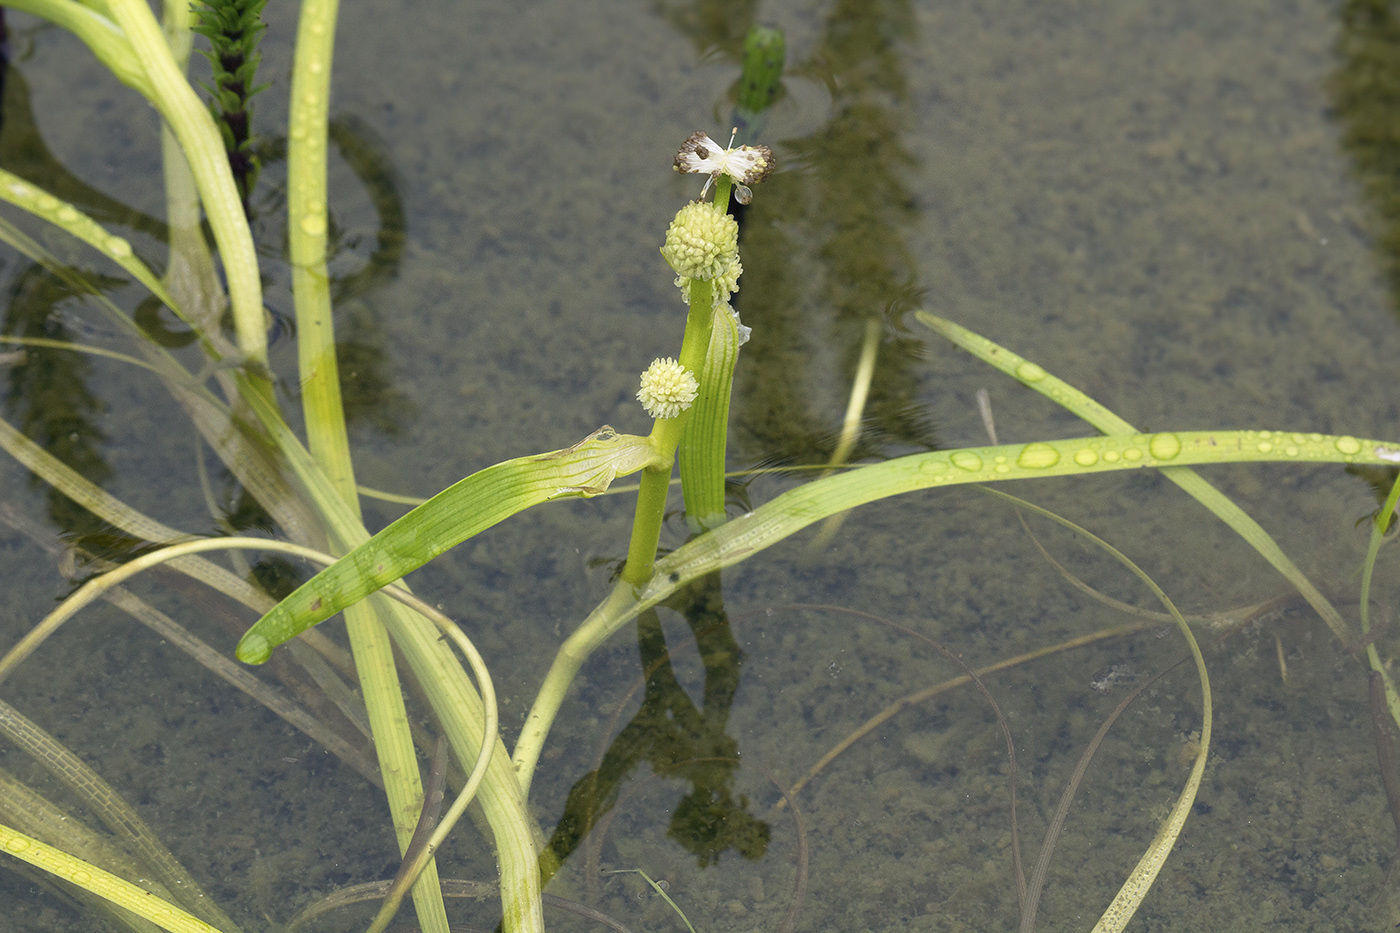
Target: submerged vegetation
x,y
406,700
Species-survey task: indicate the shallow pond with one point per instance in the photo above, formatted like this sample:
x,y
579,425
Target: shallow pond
x,y
1159,203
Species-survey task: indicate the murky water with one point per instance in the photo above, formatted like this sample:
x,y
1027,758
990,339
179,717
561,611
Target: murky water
x,y
1158,203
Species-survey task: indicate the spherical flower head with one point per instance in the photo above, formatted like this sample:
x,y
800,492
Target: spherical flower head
x,y
667,388
702,241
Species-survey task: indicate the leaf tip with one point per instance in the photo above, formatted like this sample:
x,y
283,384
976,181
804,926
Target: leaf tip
x,y
253,649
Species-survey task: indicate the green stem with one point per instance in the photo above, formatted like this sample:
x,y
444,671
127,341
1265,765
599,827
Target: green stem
x,y
665,437
723,185
705,441
696,342
193,126
620,605
654,487
99,33
327,437
1379,526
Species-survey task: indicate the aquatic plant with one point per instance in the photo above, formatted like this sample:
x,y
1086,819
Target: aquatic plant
x,y
308,491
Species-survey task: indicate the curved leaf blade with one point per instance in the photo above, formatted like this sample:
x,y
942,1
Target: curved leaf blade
x,y
446,520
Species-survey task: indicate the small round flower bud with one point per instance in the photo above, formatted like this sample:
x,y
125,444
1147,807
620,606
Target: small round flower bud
x,y
667,389
702,241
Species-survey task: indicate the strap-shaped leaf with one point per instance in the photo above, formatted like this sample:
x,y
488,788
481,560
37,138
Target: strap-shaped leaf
x,y
1067,396
102,883
797,508
445,521
705,440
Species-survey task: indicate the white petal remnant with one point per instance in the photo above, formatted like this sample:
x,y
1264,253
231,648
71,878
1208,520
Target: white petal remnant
x,y
667,388
747,165
744,331
702,241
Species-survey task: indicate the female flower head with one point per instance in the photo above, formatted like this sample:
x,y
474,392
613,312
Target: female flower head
x,y
667,388
747,165
702,242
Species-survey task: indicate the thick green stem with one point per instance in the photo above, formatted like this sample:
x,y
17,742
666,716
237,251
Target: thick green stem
x,y
665,437
696,342
723,185
646,524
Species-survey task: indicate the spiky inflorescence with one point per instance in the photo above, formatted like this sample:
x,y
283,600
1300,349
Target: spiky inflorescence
x,y
667,388
702,241
234,28
725,284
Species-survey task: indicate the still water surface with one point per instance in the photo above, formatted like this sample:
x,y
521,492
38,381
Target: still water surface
x,y
1165,205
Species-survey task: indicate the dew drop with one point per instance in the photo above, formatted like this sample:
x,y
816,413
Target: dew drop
x,y
117,247
47,202
1348,445
1132,454
933,466
1038,457
1291,450
80,877
1085,457
1110,456
313,224
17,845
1265,447
68,214
1164,446
966,460
1029,372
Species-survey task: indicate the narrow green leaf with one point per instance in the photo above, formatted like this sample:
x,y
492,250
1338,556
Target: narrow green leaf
x,y
102,883
1067,396
444,521
703,445
745,535
797,508
67,217
104,37
483,499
